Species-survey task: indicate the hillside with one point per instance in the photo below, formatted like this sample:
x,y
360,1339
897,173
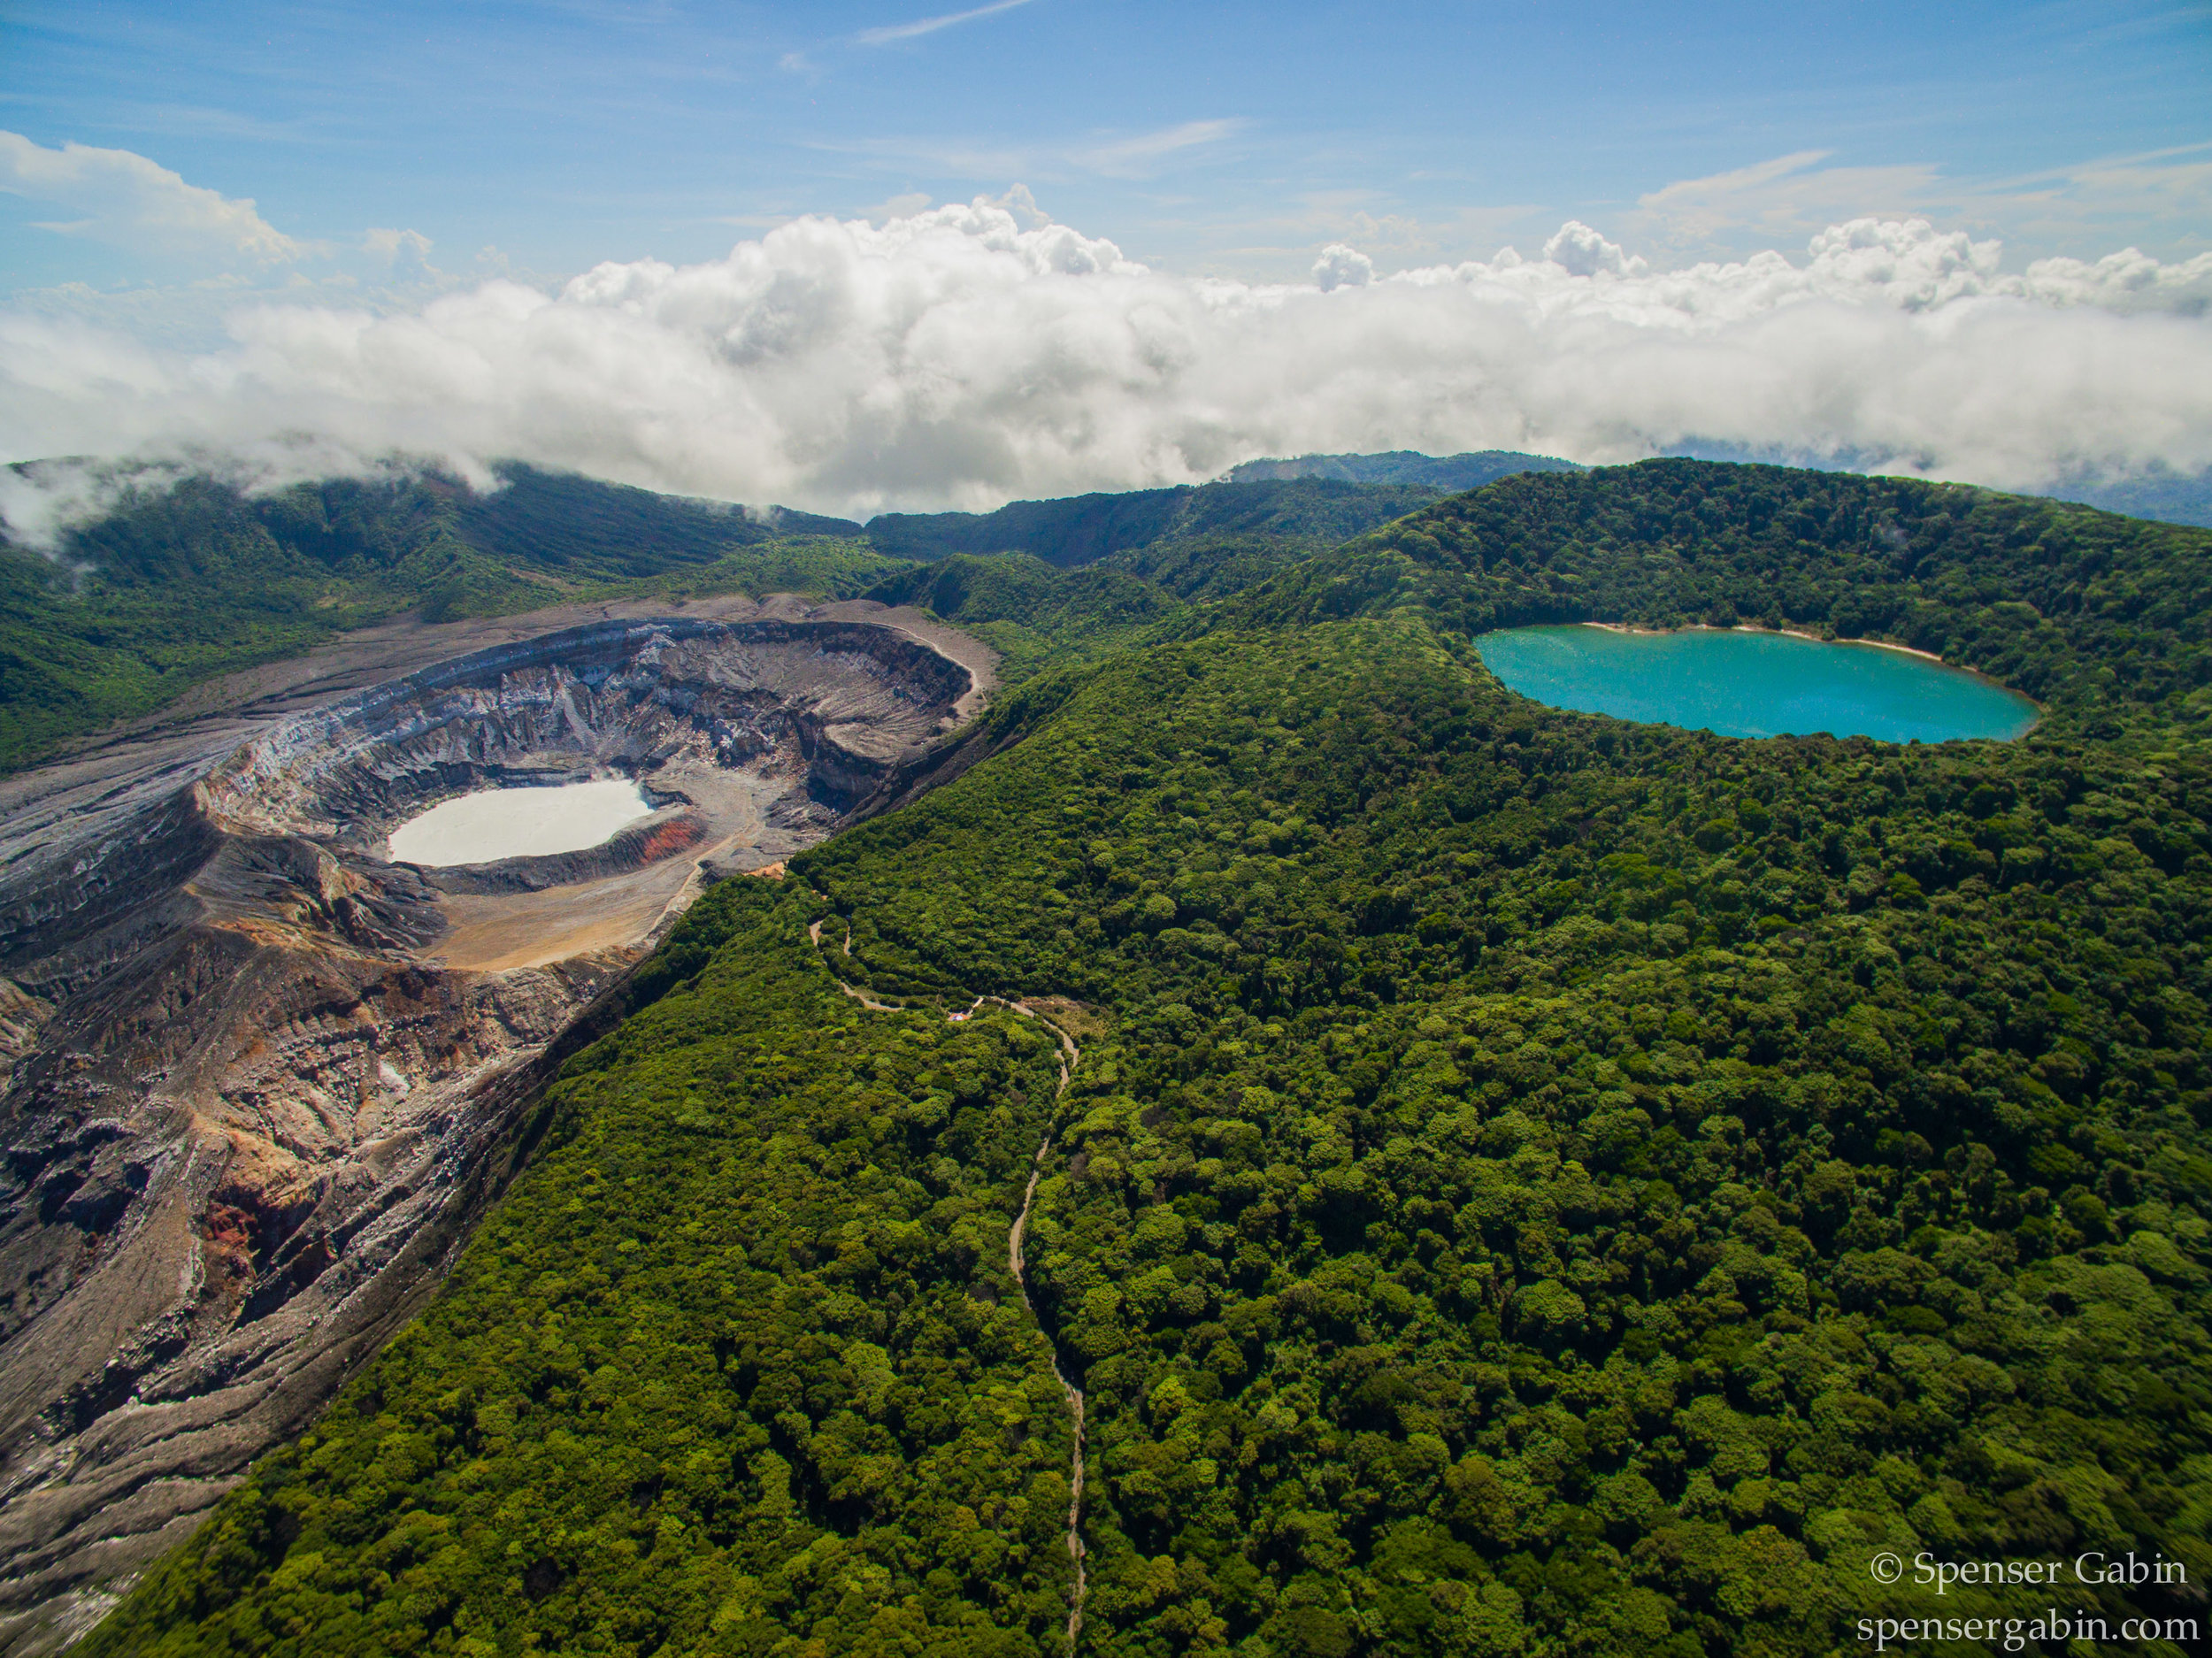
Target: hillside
x,y
1064,582
1033,615
2162,492
2176,497
179,584
1530,1184
2099,612
1307,514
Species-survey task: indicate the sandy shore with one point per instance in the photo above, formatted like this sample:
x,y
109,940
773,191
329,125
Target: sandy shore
x,y
1787,633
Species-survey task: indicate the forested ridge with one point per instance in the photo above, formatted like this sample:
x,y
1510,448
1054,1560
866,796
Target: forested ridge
x,y
1311,513
1034,615
1535,1184
185,579
1452,474
182,582
2060,602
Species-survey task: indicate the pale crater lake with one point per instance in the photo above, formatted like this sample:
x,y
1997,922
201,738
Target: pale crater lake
x,y
519,822
1752,685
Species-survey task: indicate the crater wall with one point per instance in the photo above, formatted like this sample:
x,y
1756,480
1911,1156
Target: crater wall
x,y
258,1082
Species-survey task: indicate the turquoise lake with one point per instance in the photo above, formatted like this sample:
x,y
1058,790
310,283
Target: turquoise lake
x,y
1752,685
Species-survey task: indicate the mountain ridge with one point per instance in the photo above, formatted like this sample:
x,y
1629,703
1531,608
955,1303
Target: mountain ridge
x,y
179,585
1449,474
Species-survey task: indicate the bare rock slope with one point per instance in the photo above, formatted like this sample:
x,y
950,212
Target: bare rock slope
x,y
257,1081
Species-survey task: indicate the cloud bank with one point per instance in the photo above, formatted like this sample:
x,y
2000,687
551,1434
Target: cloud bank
x,y
121,198
970,355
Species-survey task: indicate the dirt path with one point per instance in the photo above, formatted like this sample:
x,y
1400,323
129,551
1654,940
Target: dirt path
x,y
814,931
1018,1265
1016,1262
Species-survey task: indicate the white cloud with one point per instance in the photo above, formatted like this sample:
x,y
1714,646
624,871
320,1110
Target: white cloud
x,y
1719,186
1342,265
1579,251
1022,204
125,200
401,255
39,500
969,354
895,32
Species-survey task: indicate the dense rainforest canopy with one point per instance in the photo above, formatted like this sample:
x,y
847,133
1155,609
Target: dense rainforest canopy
x,y
1533,1184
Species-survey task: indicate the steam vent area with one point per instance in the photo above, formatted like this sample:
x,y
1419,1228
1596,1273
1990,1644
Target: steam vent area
x,y
260,1079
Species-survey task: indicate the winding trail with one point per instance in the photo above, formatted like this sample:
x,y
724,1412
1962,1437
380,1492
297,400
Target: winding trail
x,y
1016,1262
814,931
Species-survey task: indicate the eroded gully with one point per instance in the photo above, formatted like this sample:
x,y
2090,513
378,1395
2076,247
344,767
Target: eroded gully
x,y
1070,1054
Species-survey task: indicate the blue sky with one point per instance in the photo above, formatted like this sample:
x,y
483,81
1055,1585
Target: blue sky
x,y
1228,138
878,253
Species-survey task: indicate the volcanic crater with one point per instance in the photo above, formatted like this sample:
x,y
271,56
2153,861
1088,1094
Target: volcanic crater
x,y
260,1080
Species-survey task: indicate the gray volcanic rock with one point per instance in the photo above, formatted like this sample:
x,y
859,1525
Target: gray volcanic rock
x,y
258,1082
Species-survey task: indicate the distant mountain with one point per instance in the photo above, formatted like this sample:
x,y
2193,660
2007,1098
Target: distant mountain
x,y
559,518
1083,529
194,578
2174,497
197,578
1449,474
2167,496
2171,497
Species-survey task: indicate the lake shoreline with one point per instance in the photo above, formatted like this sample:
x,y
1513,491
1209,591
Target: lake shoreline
x,y
1716,679
1785,633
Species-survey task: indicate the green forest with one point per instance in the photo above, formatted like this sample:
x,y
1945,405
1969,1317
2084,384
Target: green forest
x,y
1309,513
189,578
1532,1184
